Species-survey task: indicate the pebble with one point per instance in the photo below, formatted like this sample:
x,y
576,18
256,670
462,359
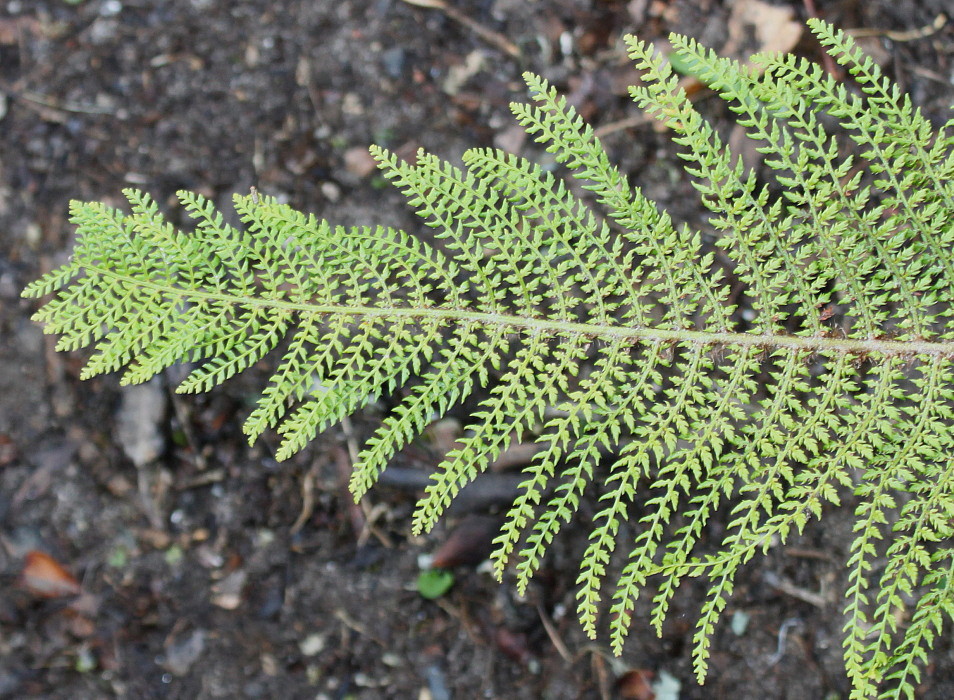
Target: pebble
x,y
110,8
141,413
393,60
181,655
312,645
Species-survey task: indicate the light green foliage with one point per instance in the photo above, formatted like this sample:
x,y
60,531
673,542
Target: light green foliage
x,y
433,583
616,340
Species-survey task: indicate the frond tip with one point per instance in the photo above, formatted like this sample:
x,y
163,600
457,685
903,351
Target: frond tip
x,y
610,338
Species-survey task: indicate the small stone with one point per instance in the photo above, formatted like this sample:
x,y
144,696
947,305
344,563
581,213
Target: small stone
x,y
459,74
740,623
141,412
227,593
181,655
393,61
103,31
331,191
312,645
358,161
110,8
351,105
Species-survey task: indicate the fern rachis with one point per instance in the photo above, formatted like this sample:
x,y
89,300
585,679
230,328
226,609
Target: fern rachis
x,y
838,382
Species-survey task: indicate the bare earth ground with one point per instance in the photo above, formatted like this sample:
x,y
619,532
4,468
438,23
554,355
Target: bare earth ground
x,y
209,570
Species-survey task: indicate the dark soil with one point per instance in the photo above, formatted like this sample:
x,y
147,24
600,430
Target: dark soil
x,y
209,570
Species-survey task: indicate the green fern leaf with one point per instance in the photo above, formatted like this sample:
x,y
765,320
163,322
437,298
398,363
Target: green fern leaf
x,y
831,383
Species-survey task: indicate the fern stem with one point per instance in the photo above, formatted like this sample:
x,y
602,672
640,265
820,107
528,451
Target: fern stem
x,y
862,348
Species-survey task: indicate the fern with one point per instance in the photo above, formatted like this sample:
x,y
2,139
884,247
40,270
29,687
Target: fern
x,y
836,378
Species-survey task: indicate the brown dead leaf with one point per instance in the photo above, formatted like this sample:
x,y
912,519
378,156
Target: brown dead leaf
x,y
469,544
514,645
636,684
45,577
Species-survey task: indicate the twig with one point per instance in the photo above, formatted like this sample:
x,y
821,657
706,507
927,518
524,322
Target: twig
x,y
40,102
488,35
780,584
458,614
782,638
212,476
185,424
554,635
910,35
602,677
344,466
307,500
802,553
372,514
622,124
356,626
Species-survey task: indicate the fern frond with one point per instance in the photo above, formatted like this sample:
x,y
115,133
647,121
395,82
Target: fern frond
x,y
794,356
671,261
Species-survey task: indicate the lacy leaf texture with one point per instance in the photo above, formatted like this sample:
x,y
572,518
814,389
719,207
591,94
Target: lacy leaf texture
x,y
616,339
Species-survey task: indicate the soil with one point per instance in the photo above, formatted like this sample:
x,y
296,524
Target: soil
x,y
204,569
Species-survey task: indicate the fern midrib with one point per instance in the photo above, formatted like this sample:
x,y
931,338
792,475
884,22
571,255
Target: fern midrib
x,y
546,326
